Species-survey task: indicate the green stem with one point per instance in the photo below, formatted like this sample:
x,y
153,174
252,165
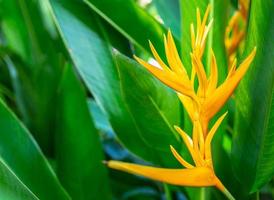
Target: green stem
x,y
202,193
167,192
223,189
228,194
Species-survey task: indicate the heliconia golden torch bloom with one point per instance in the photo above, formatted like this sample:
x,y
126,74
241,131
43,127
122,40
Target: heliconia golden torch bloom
x,y
235,33
201,104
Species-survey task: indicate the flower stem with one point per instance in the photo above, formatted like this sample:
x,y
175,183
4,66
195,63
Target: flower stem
x,y
228,194
223,189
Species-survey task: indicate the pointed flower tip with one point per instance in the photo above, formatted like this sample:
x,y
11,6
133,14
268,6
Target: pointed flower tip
x,y
177,128
251,56
139,60
253,52
135,57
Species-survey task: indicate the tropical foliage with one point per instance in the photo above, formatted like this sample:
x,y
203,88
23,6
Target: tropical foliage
x,y
95,91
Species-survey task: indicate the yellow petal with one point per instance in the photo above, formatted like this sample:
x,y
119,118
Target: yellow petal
x,y
192,34
202,29
196,177
210,136
179,158
189,144
198,17
232,69
244,6
193,75
207,29
233,34
199,68
179,67
189,106
201,142
157,57
222,93
196,135
168,78
213,79
172,60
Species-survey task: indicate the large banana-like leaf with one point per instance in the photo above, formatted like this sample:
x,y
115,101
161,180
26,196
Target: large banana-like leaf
x,y
132,21
21,153
78,149
253,142
89,47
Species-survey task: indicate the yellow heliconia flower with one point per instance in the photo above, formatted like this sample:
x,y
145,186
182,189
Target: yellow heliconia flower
x,y
234,34
204,103
244,7
200,174
201,104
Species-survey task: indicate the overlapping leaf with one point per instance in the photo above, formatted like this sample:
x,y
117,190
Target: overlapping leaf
x,y
36,66
132,21
87,43
21,153
253,147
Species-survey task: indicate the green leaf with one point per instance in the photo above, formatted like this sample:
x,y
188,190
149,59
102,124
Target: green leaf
x,y
100,120
21,153
253,146
11,188
132,21
169,11
12,20
154,107
37,71
87,43
78,149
